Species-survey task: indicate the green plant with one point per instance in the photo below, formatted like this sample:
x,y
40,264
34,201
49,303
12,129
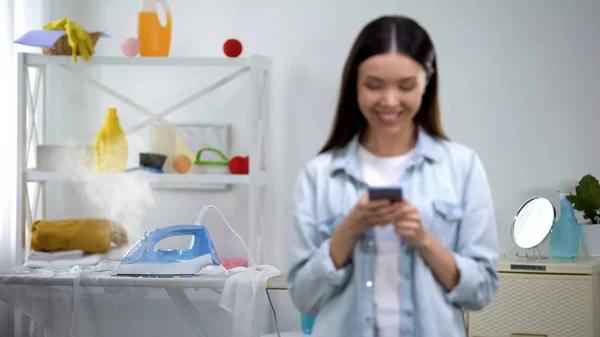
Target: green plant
x,y
587,198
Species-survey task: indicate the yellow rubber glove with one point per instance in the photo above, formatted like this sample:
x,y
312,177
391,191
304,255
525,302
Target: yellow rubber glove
x,y
79,38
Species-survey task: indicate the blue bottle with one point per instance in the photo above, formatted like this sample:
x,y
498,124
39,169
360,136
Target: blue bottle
x,y
307,323
564,239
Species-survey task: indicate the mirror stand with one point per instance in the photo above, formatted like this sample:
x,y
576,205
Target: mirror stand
x,y
530,254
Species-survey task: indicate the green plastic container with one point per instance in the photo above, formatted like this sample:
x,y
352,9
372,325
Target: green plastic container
x,y
211,166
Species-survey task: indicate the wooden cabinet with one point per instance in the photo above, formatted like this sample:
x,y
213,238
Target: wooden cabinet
x,y
544,298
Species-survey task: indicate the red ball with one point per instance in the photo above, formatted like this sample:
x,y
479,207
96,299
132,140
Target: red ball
x,y
232,48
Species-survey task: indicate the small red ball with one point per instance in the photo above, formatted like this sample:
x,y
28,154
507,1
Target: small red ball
x,y
232,48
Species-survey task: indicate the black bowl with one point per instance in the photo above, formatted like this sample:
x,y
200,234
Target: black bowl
x,y
152,160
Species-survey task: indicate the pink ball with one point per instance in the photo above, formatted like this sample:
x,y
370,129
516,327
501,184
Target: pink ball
x,y
130,46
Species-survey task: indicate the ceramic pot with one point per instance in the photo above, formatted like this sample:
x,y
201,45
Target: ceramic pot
x,y
590,238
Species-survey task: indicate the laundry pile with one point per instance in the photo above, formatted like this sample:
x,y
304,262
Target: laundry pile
x,y
75,242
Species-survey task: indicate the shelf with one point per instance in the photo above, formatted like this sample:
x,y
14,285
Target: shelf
x,y
157,180
39,60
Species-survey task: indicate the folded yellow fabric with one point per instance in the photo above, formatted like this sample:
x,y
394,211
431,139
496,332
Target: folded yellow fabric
x,y
90,235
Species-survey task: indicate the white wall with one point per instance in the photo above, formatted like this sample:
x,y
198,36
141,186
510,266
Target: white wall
x,y
519,83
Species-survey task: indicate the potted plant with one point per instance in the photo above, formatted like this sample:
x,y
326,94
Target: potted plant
x,y
587,200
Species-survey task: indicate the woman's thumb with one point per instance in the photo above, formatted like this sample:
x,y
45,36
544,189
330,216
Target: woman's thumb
x,y
364,199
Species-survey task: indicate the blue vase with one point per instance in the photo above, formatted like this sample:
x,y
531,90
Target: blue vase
x,y
564,239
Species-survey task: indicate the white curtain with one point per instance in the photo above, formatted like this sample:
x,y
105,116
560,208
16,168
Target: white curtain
x,y
8,149
18,16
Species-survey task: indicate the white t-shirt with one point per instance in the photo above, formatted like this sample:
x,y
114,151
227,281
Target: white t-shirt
x,y
385,171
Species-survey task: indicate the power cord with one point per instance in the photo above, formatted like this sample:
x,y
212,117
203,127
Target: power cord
x,y
205,208
198,222
274,313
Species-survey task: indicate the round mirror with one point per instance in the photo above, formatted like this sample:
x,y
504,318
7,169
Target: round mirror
x,y
533,222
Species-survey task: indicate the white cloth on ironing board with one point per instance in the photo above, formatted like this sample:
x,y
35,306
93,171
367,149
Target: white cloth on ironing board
x,y
88,260
71,258
58,255
244,296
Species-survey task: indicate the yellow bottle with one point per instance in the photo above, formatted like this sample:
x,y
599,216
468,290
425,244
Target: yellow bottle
x,y
110,145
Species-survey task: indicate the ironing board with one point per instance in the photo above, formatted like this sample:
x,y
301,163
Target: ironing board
x,y
99,276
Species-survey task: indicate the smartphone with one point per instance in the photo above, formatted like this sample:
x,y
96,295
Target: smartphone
x,y
385,193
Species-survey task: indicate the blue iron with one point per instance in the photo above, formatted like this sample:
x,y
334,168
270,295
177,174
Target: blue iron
x,y
143,259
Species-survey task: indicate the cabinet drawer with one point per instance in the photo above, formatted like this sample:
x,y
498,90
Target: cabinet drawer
x,y
536,304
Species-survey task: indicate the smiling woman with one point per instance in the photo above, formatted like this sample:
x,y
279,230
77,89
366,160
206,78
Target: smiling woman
x,y
388,70
390,88
390,268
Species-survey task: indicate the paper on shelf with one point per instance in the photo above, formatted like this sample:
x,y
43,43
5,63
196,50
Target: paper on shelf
x,y
44,38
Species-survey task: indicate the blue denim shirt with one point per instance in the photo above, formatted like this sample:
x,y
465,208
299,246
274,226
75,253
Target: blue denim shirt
x,y
446,181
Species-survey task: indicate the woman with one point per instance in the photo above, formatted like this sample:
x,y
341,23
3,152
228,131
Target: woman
x,y
382,268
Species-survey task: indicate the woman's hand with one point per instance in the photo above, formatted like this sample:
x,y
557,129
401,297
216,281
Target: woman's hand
x,y
409,226
367,214
436,256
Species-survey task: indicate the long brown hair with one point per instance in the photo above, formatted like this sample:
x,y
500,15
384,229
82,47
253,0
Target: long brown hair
x,y
376,38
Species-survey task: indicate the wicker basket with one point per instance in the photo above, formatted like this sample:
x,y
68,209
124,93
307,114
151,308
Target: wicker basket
x,y
62,47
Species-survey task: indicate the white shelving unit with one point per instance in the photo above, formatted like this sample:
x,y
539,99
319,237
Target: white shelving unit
x,y
31,182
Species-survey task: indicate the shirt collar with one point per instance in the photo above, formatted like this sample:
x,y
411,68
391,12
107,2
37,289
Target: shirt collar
x,y
426,148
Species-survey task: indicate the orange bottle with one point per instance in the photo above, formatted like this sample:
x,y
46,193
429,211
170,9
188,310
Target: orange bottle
x,y
155,39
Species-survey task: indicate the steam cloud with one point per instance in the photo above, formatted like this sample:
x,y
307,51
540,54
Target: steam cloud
x,y
123,198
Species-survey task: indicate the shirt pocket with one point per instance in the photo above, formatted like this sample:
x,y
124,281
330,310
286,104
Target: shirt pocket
x,y
447,216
